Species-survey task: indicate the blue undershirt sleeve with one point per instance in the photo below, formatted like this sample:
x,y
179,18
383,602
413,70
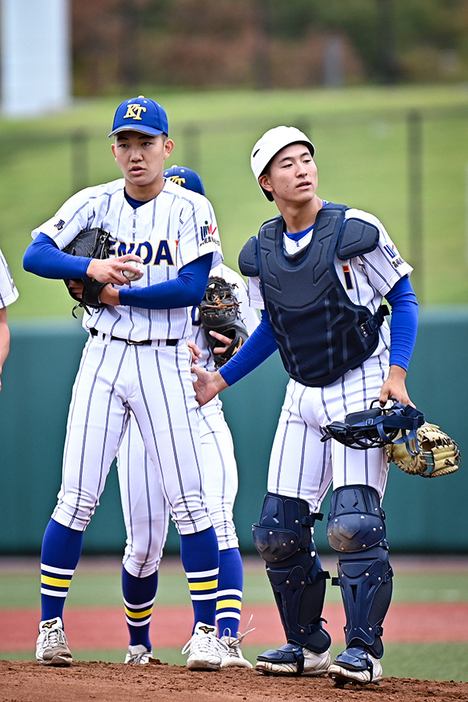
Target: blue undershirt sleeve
x,y
44,258
258,347
404,323
186,290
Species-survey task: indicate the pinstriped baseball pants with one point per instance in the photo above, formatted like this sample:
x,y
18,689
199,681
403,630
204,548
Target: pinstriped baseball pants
x,y
155,384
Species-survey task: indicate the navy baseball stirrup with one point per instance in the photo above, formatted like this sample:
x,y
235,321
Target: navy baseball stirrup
x,y
283,539
356,530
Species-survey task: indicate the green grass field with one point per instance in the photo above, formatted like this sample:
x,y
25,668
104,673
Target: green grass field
x,y
361,135
97,584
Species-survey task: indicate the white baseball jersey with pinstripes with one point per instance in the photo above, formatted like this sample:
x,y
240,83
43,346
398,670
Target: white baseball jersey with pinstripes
x,y
8,291
168,232
301,465
116,378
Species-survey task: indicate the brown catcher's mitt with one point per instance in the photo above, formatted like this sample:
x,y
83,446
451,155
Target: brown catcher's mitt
x,y
435,453
219,312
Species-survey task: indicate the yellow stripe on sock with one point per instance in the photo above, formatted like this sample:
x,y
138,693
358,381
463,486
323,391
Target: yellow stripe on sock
x,y
57,582
208,585
138,615
232,604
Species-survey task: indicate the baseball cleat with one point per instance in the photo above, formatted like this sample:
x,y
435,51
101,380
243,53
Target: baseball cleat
x,y
232,657
355,666
204,648
291,659
52,645
138,655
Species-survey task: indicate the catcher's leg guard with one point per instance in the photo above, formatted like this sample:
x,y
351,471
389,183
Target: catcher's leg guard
x,y
284,540
356,530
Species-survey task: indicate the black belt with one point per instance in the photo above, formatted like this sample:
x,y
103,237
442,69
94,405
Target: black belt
x,y
145,342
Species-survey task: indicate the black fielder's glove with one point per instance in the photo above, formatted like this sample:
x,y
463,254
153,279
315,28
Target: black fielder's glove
x,y
377,427
92,243
219,312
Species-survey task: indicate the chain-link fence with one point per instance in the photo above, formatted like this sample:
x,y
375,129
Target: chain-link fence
x,y
409,168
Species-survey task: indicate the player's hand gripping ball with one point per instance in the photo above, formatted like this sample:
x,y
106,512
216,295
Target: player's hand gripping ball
x,y
130,275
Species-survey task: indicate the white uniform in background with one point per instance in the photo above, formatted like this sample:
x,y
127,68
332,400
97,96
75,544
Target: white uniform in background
x,y
146,512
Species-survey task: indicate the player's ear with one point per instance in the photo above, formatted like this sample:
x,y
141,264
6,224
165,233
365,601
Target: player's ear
x,y
113,149
264,181
168,146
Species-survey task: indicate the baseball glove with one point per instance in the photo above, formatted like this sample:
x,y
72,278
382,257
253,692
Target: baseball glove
x,y
433,453
219,312
92,243
376,427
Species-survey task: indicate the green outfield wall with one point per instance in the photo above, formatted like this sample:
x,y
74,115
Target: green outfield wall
x,y
422,515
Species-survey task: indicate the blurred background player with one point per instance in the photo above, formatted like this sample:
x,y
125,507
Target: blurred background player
x,y
319,273
8,294
136,360
145,508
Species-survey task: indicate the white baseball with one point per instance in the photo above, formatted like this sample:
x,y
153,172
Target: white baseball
x,y
130,275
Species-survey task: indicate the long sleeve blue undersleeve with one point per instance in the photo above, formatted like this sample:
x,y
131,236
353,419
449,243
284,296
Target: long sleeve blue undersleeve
x,y
404,324
184,291
44,258
258,347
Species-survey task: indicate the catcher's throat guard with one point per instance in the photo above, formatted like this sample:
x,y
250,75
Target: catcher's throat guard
x,y
377,427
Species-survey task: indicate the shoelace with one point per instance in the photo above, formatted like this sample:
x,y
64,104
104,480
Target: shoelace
x,y
236,642
55,637
203,644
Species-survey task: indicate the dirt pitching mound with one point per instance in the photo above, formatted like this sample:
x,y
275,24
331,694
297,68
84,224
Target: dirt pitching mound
x,y
115,682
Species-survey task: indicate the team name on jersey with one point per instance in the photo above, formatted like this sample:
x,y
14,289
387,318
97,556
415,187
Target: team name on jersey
x,y
148,251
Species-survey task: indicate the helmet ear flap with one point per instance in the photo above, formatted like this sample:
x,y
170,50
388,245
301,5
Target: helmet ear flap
x,y
376,427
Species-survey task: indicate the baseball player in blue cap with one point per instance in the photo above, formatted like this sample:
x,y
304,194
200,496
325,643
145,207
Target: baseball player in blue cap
x,y
319,272
8,294
146,511
136,360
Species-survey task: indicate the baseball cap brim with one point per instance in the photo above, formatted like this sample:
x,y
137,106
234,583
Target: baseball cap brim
x,y
143,130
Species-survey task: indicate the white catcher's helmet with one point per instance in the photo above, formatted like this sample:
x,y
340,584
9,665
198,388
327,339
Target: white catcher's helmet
x,y
270,143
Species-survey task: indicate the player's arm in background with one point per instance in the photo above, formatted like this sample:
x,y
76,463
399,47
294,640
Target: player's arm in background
x,y
4,340
403,330
258,347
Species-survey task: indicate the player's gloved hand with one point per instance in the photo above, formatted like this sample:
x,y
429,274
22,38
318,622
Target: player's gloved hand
x,y
226,340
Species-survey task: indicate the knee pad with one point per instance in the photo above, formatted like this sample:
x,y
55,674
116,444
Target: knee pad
x,y
356,529
356,519
283,539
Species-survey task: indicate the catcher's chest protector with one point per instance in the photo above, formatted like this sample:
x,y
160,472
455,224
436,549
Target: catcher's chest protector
x,y
320,332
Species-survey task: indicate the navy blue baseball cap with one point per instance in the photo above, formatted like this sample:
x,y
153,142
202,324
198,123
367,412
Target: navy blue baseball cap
x,y
186,178
140,114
